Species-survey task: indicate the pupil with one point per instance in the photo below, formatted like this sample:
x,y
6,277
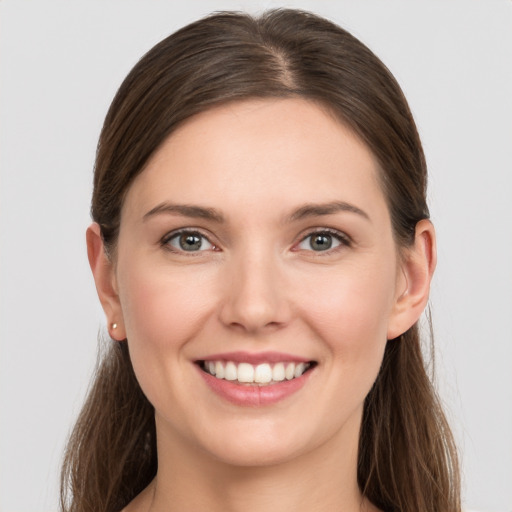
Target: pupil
x,y
190,242
321,242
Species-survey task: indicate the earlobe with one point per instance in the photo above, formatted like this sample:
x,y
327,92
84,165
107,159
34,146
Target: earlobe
x,y
103,271
417,268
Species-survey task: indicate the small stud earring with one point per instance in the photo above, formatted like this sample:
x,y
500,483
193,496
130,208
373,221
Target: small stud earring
x,y
114,326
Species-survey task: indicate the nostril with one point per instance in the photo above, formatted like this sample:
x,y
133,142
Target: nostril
x,y
254,302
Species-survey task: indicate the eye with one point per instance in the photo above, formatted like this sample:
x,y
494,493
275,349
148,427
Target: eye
x,y
187,241
321,241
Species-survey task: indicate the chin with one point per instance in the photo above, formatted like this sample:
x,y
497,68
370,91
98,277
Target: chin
x,y
259,444
256,454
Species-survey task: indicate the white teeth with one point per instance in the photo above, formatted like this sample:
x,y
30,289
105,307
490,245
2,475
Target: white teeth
x,y
219,370
278,372
299,369
245,372
289,371
262,374
230,372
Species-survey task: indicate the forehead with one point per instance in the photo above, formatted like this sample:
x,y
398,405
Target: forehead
x,y
260,153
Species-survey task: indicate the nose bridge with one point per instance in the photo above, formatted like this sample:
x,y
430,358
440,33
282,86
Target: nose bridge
x,y
254,297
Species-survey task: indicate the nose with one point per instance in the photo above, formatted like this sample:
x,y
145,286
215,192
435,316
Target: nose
x,y
255,295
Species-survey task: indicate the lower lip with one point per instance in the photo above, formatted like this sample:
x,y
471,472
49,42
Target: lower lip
x,y
254,395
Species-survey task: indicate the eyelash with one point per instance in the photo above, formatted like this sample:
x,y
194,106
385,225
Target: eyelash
x,y
189,232
342,238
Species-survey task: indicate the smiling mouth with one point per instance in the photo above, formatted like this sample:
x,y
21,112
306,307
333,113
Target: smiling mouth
x,y
264,374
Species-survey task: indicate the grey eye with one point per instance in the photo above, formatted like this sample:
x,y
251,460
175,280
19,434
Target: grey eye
x,y
320,241
190,241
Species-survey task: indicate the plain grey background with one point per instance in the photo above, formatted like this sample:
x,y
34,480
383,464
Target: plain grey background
x,y
60,65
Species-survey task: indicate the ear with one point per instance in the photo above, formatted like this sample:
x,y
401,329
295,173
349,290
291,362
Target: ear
x,y
413,284
103,270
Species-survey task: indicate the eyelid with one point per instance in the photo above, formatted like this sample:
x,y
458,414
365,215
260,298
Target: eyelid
x,y
344,239
164,241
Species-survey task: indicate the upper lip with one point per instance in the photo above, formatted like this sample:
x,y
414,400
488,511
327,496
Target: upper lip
x,y
256,357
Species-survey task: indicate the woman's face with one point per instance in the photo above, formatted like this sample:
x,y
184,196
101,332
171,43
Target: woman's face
x,y
257,244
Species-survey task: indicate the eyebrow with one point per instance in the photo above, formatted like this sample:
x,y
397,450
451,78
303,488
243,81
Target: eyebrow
x,y
317,210
308,210
186,210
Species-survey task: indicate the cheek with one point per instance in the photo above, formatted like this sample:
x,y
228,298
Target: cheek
x,y
353,300
350,313
163,309
163,305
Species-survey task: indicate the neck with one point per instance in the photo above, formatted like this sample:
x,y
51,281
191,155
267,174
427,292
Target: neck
x,y
324,479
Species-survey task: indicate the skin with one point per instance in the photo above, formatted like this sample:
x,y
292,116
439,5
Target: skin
x,y
259,285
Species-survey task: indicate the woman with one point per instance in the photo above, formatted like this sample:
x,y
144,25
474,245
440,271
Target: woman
x,y
262,251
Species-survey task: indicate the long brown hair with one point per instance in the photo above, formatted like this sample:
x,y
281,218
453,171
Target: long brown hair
x,y
407,458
